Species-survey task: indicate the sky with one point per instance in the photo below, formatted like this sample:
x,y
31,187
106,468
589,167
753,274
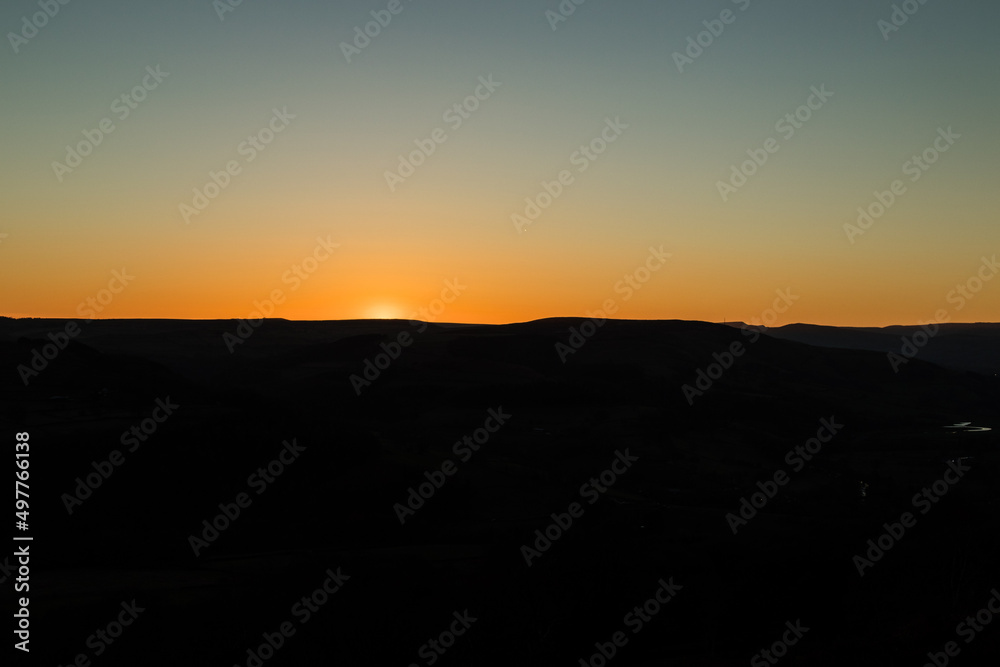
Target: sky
x,y
662,160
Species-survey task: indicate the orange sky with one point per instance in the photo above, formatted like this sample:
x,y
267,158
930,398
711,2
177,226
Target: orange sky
x,y
595,112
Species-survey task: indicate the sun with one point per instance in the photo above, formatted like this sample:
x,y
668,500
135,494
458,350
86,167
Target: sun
x,y
382,311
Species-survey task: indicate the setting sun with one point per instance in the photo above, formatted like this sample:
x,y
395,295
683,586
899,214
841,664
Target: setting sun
x,y
383,311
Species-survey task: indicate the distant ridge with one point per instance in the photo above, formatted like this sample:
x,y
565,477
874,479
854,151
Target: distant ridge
x,y
967,347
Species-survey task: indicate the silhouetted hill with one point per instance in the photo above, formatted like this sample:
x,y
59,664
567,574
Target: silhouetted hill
x,y
972,347
369,439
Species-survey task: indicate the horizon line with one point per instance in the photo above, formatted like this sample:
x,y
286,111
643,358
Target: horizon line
x,y
542,319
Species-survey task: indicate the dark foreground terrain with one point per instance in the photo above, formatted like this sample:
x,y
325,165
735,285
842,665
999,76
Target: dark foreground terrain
x,y
145,433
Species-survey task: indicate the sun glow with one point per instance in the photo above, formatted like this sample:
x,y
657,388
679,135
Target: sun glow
x,y
382,311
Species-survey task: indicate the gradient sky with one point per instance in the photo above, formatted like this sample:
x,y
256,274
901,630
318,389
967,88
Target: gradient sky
x,y
324,174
